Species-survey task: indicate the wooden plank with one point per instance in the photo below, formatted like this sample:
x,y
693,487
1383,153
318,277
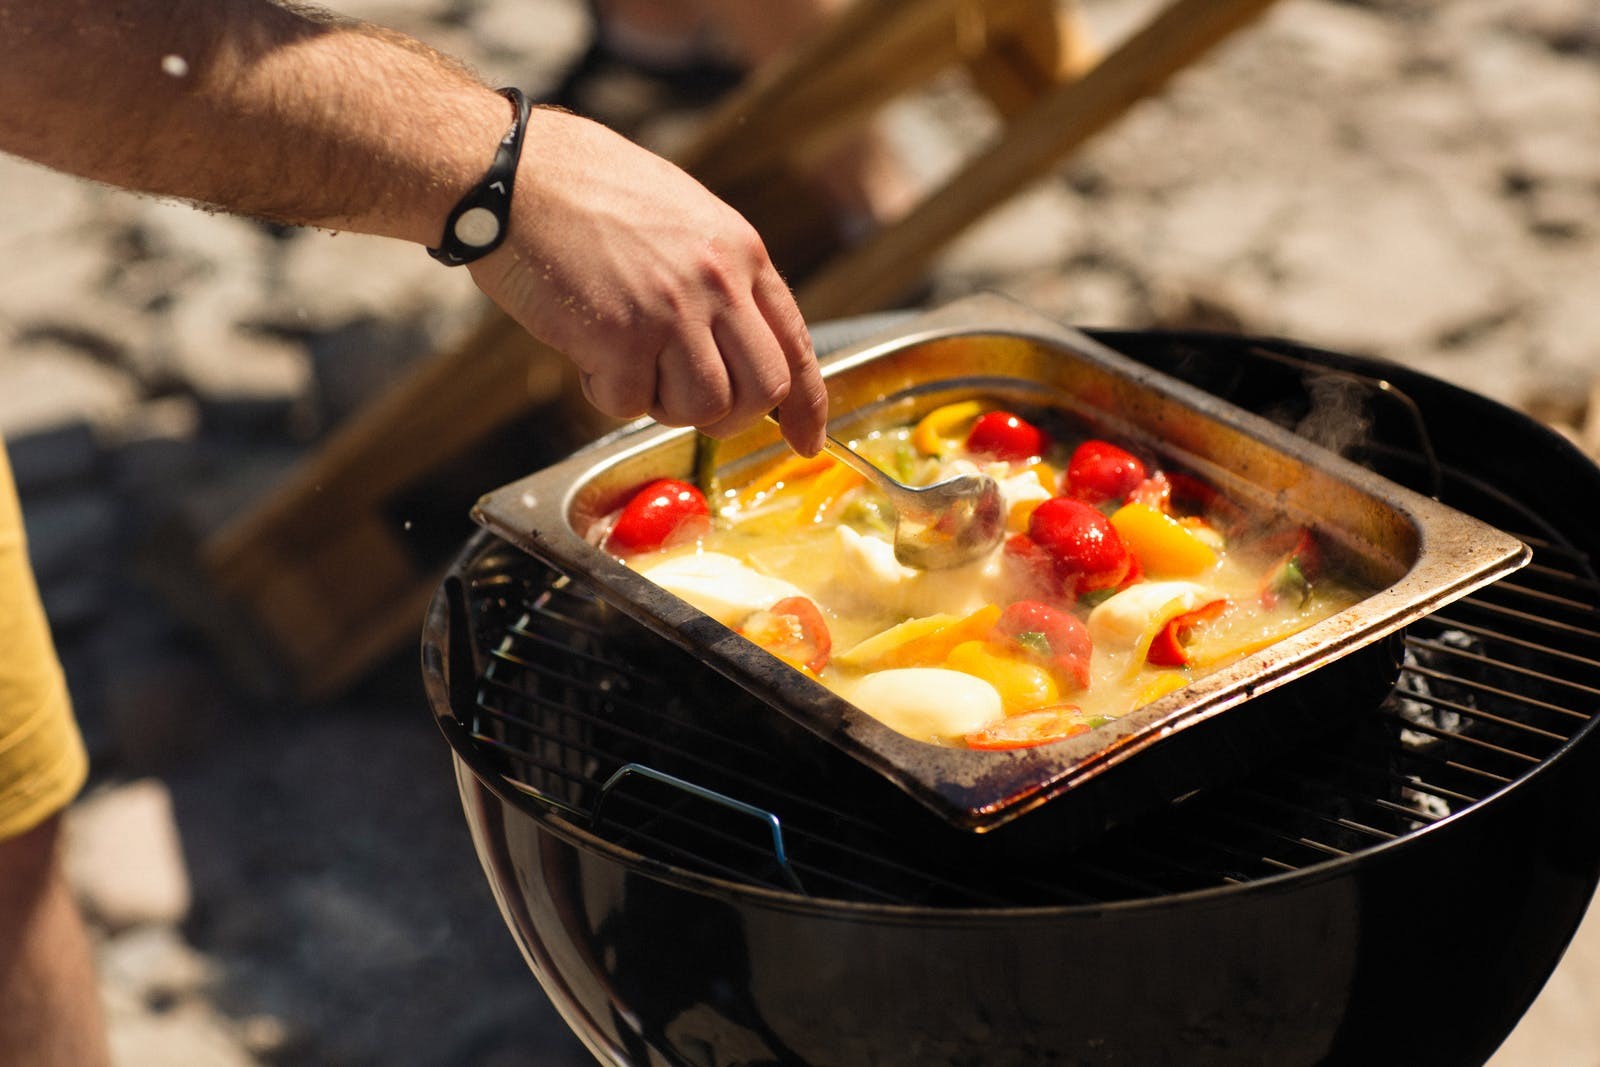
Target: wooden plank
x,y
390,625
797,109
1047,46
887,265
442,407
323,567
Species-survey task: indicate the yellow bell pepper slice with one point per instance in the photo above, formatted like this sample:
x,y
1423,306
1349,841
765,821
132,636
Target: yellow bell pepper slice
x,y
1159,686
1048,476
1164,546
1214,653
787,472
869,653
923,642
932,648
942,429
1019,515
827,490
1021,683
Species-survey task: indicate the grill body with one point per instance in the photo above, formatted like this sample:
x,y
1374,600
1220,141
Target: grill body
x,y
1425,953
1360,903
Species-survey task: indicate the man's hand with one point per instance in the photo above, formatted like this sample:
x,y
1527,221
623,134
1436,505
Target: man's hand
x,y
662,295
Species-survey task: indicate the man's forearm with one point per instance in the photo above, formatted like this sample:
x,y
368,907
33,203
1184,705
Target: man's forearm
x,y
247,105
661,294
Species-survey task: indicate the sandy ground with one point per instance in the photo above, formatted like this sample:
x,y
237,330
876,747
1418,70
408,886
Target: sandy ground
x,y
284,884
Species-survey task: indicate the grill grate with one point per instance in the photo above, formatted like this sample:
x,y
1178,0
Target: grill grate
x,y
572,692
599,720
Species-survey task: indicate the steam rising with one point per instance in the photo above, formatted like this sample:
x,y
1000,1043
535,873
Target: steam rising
x,y
1338,418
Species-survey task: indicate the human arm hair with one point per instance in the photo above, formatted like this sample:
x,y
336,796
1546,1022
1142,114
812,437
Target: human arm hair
x,y
265,109
662,295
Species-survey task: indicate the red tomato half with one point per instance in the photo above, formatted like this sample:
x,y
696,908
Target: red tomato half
x,y
794,630
1057,637
1100,471
655,513
1006,436
1030,728
1087,552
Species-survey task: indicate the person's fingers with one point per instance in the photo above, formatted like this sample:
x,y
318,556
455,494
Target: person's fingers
x,y
804,411
756,366
623,391
692,382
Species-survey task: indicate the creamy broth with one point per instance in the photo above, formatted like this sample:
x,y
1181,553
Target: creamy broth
x,y
939,655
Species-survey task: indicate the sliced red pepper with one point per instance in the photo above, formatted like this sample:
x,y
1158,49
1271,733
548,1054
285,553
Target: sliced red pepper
x,y
1170,648
794,630
1030,728
1191,490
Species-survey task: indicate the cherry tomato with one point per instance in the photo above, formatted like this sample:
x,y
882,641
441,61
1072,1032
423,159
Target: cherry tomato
x,y
1030,728
1057,637
794,630
655,513
1099,471
1170,646
1085,550
1006,436
1029,567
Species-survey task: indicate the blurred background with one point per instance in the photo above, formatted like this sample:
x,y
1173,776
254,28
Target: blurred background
x,y
282,878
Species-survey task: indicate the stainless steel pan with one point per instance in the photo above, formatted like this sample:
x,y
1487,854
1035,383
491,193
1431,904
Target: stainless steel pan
x,y
1417,553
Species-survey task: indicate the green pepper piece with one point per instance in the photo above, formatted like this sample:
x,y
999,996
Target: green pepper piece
x,y
1036,642
905,462
705,465
1291,583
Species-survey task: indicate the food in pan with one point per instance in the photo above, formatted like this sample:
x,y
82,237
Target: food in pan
x,y
1120,581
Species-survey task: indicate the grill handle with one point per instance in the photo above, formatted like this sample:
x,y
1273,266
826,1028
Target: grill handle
x,y
773,823
452,674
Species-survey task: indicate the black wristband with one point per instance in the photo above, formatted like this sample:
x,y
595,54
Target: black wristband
x,y
479,221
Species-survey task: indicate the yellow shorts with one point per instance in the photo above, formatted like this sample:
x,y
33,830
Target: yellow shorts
x,y
42,760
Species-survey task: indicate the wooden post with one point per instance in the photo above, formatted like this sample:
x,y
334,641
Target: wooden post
x,y
890,263
334,568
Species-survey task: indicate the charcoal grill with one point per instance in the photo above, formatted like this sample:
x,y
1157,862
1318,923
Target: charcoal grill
x,y
689,892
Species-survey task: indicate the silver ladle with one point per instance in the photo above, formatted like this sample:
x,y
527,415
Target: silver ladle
x,y
938,526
